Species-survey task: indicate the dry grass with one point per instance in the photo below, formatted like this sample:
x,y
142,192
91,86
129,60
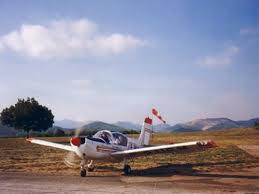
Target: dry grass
x,y
246,136
17,155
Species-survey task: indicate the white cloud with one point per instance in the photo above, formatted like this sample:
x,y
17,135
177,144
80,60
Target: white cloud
x,y
66,38
222,59
247,31
115,43
1,46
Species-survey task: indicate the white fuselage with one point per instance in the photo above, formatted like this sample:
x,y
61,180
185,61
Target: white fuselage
x,y
96,148
105,142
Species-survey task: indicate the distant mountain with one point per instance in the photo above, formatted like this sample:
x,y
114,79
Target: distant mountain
x,y
99,125
160,127
69,124
128,125
137,127
248,123
210,124
180,128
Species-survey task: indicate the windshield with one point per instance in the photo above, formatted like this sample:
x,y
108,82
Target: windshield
x,y
119,139
105,135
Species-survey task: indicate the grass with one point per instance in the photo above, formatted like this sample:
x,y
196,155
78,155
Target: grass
x,y
17,155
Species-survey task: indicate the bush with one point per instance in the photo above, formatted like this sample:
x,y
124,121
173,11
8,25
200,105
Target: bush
x,y
59,133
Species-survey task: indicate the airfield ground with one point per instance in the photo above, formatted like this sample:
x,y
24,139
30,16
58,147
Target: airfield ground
x,y
232,167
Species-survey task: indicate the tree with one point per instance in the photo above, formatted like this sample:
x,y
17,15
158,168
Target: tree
x,y
28,115
7,116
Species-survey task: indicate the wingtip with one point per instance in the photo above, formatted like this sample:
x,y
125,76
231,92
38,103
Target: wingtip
x,y
29,139
208,143
212,144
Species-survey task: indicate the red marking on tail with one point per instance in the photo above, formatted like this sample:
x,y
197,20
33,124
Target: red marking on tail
x,y
148,120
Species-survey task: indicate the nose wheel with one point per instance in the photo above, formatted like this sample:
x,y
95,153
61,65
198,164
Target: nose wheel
x,y
90,166
86,168
83,171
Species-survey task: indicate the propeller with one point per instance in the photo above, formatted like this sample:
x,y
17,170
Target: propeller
x,y
71,160
78,131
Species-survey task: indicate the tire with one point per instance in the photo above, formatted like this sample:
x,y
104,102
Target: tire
x,y
83,173
127,169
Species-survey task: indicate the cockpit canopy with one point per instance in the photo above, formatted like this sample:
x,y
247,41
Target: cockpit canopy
x,y
104,135
112,137
119,139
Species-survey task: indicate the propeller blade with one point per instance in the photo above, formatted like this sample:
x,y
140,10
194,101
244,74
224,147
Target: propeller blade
x,y
78,132
71,160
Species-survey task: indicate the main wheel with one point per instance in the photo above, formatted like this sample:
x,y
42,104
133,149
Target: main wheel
x,y
83,173
127,169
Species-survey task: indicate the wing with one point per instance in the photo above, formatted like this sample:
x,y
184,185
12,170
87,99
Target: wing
x,y
186,147
50,144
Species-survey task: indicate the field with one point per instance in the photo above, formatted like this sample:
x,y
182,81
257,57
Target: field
x,y
17,155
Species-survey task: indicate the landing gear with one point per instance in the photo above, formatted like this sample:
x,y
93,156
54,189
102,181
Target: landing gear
x,y
83,170
127,169
90,166
83,173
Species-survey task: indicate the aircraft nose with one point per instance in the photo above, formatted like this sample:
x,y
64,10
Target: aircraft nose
x,y
75,141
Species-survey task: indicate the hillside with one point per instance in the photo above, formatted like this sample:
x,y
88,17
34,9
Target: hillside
x,y
69,124
99,125
210,124
128,125
248,123
161,127
137,127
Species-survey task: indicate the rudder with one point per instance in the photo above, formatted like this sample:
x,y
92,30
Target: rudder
x,y
146,132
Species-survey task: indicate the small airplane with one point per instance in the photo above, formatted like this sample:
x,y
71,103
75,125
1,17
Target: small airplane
x,y
116,147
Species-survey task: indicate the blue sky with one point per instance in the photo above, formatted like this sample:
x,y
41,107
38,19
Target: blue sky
x,y
115,60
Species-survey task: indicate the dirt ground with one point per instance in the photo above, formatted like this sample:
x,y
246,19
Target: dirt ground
x,y
232,167
251,149
200,183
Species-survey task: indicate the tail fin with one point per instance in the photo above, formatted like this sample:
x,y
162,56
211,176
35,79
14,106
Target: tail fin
x,y
146,132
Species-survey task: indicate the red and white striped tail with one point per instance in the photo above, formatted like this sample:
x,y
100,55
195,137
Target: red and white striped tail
x,y
146,132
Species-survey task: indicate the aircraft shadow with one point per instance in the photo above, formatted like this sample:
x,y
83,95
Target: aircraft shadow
x,y
187,170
